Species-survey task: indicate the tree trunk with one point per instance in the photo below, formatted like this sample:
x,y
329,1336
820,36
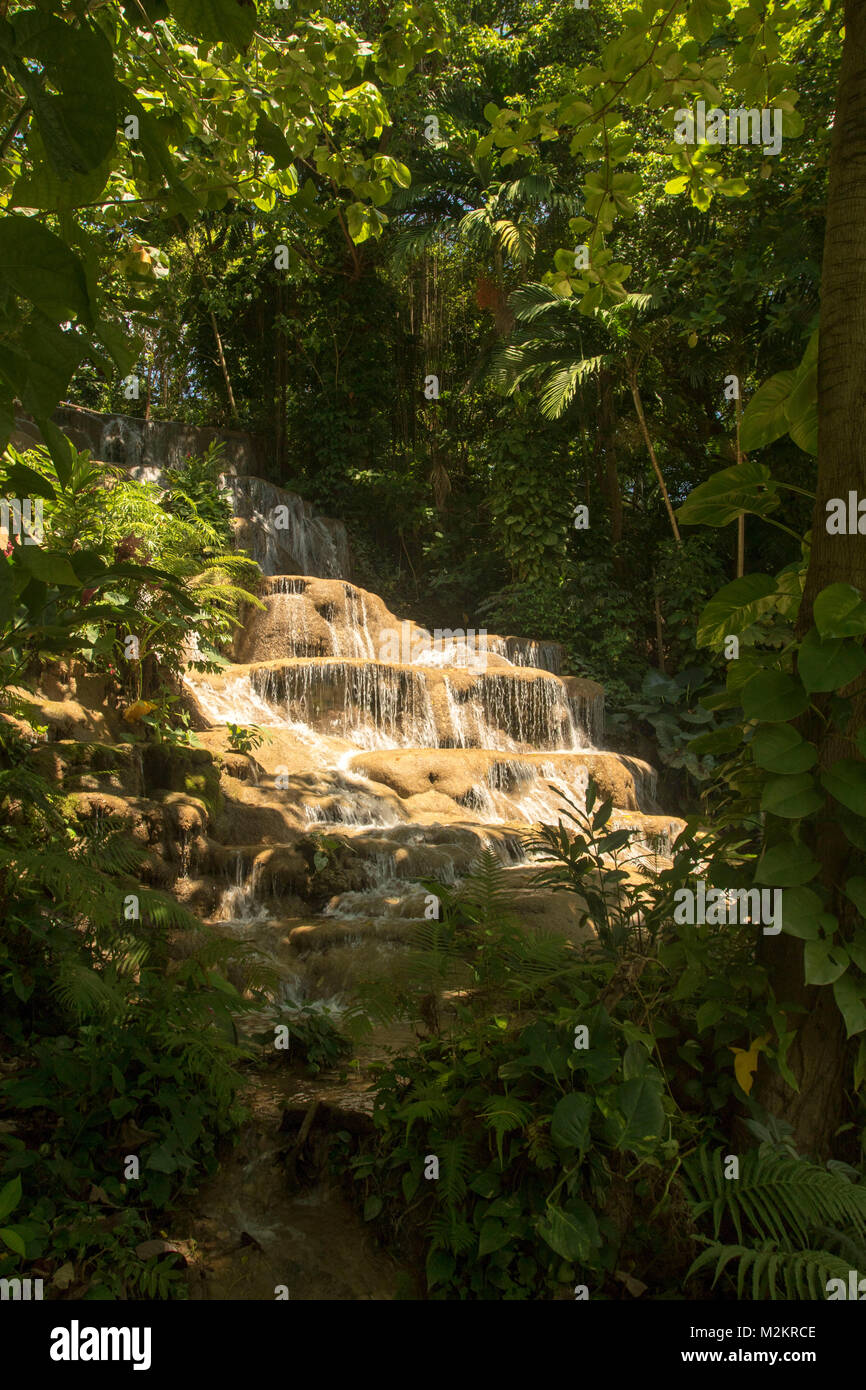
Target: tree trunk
x,y
222,361
820,1054
280,388
660,644
741,520
607,432
638,405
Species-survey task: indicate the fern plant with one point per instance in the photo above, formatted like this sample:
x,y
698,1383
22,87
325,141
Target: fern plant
x,y
475,952
120,1047
786,1212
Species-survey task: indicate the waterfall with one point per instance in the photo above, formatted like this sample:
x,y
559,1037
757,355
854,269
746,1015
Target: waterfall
x,y
392,756
374,706
535,711
283,533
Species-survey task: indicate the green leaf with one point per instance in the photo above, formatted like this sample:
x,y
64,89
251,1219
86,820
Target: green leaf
x,y
22,481
779,748
572,1232
372,1207
493,1236
77,120
218,981
824,962
791,797
700,18
786,865
849,995
723,740
44,188
747,487
123,349
13,1240
640,1102
839,611
52,357
273,142
802,409
571,1120
773,696
765,417
709,1013
48,566
10,1196
37,265
736,607
828,663
162,1159
855,889
801,909
846,781
229,20
440,1267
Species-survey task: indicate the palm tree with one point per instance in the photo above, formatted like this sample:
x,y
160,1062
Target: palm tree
x,y
547,347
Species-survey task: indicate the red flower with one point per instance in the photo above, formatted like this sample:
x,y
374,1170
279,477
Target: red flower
x,y
127,547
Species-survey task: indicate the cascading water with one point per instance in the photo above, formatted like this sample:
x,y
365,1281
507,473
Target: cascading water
x,y
283,533
397,755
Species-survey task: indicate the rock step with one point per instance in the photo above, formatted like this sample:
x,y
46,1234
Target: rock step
x,y
397,704
306,616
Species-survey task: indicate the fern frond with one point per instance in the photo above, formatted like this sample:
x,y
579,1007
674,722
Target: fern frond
x,y
503,1114
451,1232
776,1197
82,991
455,1163
775,1273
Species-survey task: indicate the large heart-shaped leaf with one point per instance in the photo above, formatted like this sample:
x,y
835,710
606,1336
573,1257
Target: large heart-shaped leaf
x,y
791,797
828,663
824,962
736,607
765,418
570,1122
850,994
747,487
572,1231
230,20
801,911
786,865
40,267
773,696
639,1101
779,748
846,781
839,611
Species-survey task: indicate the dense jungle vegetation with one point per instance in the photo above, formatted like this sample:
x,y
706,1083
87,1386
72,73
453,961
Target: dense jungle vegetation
x,y
565,376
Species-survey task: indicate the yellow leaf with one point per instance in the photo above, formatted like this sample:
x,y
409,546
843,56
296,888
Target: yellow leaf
x,y
138,711
746,1062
